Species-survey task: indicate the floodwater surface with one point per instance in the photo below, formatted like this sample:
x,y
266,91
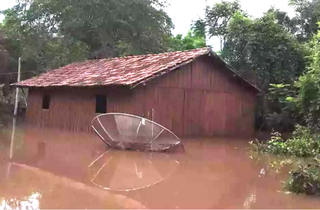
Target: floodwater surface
x,y
51,169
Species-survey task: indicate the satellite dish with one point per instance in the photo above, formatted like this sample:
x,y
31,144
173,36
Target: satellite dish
x,y
130,132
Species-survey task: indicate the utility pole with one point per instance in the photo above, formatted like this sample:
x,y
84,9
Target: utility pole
x,y
15,113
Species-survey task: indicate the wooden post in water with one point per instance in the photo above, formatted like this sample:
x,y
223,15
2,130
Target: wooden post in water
x,y
15,113
152,116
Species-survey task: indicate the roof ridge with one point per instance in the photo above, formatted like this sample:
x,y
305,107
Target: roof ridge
x,y
153,54
132,56
128,70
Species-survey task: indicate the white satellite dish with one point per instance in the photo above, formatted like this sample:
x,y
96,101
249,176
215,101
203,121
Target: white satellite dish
x,y
130,132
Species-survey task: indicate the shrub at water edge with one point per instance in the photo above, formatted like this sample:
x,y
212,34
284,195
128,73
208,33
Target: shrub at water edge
x,y
303,143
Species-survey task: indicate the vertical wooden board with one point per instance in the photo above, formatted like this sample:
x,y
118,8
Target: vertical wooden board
x,y
205,75
192,116
176,109
133,102
110,103
169,109
244,115
116,100
90,110
206,122
178,78
199,76
208,115
220,81
213,116
150,101
248,112
240,115
161,111
234,113
139,101
32,114
186,78
230,118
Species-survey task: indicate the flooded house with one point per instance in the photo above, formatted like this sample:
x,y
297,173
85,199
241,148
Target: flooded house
x,y
192,93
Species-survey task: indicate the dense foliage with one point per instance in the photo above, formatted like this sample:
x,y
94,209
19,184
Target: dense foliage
x,y
305,23
52,33
6,106
308,98
280,112
264,49
195,38
303,143
306,178
217,19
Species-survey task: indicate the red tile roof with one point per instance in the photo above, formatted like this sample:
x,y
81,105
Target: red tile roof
x,y
130,70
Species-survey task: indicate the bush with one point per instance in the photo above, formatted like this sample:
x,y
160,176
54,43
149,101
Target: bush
x,y
307,100
280,112
303,143
6,106
305,179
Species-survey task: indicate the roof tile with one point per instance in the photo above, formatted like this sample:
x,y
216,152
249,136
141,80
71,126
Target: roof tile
x,y
129,70
112,71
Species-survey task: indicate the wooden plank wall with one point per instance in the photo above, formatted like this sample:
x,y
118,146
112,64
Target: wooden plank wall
x,y
206,99
67,110
200,99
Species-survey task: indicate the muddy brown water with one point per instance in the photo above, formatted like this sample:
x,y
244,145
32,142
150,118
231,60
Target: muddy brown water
x,y
53,169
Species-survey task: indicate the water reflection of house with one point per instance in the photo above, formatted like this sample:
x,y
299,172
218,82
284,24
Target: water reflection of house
x,y
191,92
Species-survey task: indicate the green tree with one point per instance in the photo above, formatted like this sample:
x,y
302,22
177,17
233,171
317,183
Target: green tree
x,y
261,48
308,99
282,18
51,33
3,53
307,17
217,19
195,38
37,42
4,62
199,28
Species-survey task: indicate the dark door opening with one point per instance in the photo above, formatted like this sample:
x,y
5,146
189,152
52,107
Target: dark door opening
x,y
101,104
46,102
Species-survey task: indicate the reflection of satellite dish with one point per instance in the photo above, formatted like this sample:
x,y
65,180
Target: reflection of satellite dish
x,y
126,171
125,131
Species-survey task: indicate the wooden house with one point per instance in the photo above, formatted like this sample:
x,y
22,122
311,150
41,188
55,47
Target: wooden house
x,y
192,93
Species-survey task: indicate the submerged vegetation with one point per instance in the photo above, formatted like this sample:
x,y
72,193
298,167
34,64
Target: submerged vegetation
x,y
305,179
303,104
304,143
298,103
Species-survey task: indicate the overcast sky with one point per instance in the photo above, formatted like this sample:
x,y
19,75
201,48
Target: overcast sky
x,y
182,12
